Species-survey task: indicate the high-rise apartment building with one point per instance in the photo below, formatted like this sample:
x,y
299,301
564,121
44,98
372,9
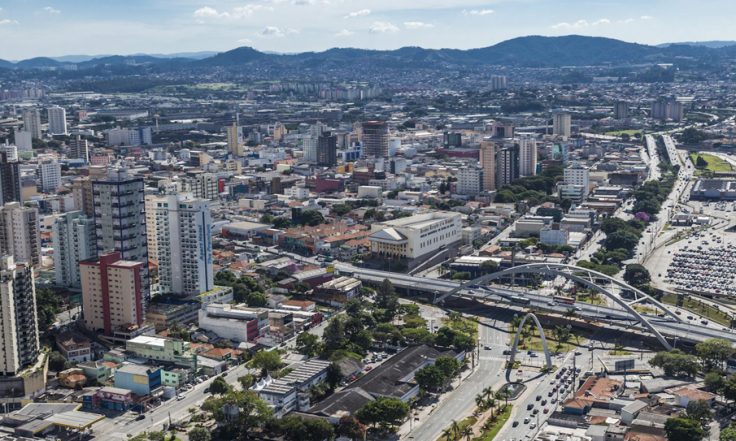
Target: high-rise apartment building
x,y
621,110
23,140
527,156
19,233
73,237
507,165
375,139
668,108
57,120
183,243
562,124
79,149
49,176
498,82
488,164
9,180
112,293
19,343
327,149
578,175
120,225
32,123
469,181
234,144
204,185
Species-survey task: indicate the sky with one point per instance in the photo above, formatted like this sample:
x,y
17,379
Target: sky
x,y
31,28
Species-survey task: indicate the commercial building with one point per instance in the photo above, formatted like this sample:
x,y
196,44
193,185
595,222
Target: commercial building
x,y
131,136
527,156
79,149
112,295
141,380
10,190
119,203
578,175
73,237
234,322
292,392
375,139
49,176
234,145
327,149
203,185
57,120
415,236
20,345
338,291
469,181
74,347
562,124
19,233
183,243
488,164
167,350
32,123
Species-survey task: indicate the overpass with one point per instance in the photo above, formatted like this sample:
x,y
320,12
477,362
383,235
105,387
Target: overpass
x,y
665,329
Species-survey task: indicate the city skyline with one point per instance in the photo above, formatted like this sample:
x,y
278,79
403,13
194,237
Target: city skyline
x,y
69,27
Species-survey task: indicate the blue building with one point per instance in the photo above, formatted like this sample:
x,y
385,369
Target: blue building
x,y
141,380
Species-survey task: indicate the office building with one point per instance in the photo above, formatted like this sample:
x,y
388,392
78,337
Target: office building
x,y
183,243
73,237
32,123
203,185
502,129
469,181
488,164
452,139
561,124
327,149
119,202
507,165
112,293
527,156
234,144
621,110
132,136
19,344
57,120
10,190
374,139
19,233
498,82
10,151
79,149
23,140
578,174
49,176
415,236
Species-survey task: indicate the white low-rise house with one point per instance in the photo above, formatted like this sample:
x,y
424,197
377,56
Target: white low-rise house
x,y
291,392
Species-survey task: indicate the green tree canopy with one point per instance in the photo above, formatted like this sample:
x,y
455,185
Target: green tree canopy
x,y
683,429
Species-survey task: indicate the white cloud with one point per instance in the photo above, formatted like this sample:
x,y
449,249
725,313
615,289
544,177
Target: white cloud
x,y
51,10
7,21
245,41
479,12
361,13
239,12
344,33
303,2
382,27
646,17
626,21
417,25
276,32
581,24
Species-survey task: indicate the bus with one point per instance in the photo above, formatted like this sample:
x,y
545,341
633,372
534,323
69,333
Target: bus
x,y
564,300
520,300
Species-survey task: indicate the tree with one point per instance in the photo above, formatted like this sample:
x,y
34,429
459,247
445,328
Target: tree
x,y
714,352
385,412
219,386
252,412
714,381
565,204
199,434
449,366
636,275
156,436
296,428
350,427
683,429
308,344
57,362
268,361
429,378
334,376
728,434
624,239
729,388
675,363
699,410
333,336
562,335
387,300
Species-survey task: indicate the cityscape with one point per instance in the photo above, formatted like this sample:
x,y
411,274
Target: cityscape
x,y
533,239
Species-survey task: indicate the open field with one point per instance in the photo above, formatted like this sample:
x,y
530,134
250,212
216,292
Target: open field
x,y
715,164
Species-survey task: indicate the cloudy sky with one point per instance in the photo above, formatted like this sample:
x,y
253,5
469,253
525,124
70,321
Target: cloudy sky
x,y
30,28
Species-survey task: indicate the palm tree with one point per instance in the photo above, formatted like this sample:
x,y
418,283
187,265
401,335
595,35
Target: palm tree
x,y
447,434
467,432
479,401
491,404
487,391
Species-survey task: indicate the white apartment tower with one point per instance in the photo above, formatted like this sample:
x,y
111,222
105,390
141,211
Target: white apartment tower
x,y
49,176
19,233
19,343
119,204
561,124
469,181
32,123
57,120
527,156
79,149
183,243
578,174
73,237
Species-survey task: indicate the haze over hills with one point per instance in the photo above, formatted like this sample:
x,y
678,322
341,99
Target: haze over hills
x,y
530,51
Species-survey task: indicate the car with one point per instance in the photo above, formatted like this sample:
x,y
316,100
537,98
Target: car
x,y
532,425
539,397
578,353
535,411
514,424
487,347
180,397
550,393
545,410
544,402
553,400
530,406
140,417
526,420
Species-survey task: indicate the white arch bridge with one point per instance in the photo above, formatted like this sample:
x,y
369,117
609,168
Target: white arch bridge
x,y
668,328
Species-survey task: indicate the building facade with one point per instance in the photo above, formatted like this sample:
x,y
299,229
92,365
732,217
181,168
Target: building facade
x,y
19,233
507,166
416,236
73,236
20,343
469,181
488,164
527,156
79,149
374,139
49,176
562,124
32,123
57,120
10,190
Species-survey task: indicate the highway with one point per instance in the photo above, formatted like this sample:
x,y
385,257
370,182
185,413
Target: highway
x,y
690,332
